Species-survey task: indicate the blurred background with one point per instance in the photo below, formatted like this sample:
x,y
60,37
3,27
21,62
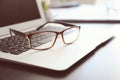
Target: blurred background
x,y
84,9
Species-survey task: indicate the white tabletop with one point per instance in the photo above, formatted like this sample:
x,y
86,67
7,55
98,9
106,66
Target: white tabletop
x,y
84,12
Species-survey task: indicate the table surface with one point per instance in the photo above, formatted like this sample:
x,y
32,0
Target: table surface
x,y
85,14
102,63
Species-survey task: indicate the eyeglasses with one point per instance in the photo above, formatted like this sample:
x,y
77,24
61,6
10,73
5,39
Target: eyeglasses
x,y
48,38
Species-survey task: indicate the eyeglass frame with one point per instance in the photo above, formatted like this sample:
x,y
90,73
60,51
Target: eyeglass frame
x,y
28,36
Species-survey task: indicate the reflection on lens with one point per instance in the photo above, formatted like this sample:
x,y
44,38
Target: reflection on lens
x,y
43,40
71,35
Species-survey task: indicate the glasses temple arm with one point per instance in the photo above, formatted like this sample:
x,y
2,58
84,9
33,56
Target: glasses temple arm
x,y
17,33
63,23
41,26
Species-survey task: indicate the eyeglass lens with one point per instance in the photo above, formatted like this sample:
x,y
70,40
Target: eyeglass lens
x,y
69,36
41,38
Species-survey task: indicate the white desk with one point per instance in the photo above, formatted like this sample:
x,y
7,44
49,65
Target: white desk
x,y
82,13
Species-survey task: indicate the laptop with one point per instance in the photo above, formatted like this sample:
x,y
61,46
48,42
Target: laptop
x,y
27,15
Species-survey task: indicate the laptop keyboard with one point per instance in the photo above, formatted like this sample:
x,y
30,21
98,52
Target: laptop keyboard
x,y
17,44
14,45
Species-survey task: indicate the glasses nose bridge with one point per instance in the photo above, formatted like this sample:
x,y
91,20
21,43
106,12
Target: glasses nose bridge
x,y
60,34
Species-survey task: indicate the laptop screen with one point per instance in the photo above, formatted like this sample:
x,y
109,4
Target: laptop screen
x,y
17,11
